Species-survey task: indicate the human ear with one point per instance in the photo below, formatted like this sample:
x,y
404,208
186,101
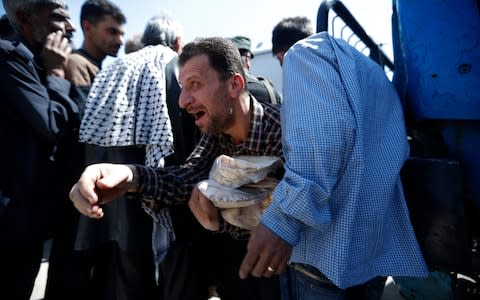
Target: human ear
x,y
236,84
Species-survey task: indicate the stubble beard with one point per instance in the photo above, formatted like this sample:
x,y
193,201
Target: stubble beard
x,y
220,123
222,119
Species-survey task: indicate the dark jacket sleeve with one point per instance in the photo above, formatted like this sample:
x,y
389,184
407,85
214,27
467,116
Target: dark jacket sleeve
x,y
44,106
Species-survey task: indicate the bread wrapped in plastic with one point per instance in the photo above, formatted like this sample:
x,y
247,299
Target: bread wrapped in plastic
x,y
241,188
246,217
240,170
227,197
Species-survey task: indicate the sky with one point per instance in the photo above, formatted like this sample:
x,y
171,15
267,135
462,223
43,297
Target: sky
x,y
252,18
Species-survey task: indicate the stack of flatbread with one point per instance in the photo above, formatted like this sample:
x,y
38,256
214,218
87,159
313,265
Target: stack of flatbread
x,y
241,187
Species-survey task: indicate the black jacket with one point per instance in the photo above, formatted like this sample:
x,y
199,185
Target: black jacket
x,y
35,112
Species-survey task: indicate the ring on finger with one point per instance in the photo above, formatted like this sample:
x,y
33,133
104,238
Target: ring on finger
x,y
270,269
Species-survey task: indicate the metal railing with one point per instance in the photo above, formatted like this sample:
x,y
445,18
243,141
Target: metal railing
x,y
343,25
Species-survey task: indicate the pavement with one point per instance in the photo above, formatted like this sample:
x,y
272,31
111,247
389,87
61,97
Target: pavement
x,y
40,282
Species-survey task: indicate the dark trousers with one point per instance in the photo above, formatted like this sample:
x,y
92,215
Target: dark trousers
x,y
120,275
199,259
19,268
184,273
230,254
68,272
104,273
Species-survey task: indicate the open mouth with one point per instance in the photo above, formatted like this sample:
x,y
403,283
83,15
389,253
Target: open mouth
x,y
197,114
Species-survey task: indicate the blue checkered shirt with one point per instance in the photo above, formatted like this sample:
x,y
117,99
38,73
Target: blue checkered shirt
x,y
340,204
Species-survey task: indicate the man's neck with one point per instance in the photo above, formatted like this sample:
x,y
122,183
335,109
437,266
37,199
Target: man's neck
x,y
243,116
92,52
94,58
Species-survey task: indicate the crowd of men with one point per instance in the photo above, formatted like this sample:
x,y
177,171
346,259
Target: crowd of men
x,y
106,161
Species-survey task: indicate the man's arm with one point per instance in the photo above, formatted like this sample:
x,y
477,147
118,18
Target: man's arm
x,y
159,187
173,185
318,130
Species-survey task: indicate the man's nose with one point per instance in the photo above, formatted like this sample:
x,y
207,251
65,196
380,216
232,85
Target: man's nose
x,y
185,99
69,27
118,38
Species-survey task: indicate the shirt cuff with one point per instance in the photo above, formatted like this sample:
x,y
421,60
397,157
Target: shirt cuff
x,y
284,226
146,179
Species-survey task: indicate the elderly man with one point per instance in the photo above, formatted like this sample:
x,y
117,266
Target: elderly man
x,y
35,113
233,123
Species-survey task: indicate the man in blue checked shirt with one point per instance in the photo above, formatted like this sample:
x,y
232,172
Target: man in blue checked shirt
x,y
340,205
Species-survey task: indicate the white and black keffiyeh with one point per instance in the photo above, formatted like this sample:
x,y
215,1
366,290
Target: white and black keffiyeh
x,y
127,105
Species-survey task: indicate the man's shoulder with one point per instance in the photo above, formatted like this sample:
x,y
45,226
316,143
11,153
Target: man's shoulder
x,y
77,56
269,106
80,70
14,49
262,89
269,112
79,60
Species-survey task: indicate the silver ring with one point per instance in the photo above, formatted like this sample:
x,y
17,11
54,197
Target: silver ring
x,y
270,269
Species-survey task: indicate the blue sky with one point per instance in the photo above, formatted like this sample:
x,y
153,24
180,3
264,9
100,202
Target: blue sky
x,y
252,18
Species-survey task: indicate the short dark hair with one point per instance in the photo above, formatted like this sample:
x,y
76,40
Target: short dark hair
x,y
95,10
222,54
288,31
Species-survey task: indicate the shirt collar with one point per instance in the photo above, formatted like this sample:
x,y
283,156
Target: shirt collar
x,y
257,116
89,57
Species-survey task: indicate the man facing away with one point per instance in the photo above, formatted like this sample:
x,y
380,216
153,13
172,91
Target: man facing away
x,y
287,32
340,206
232,123
140,88
35,114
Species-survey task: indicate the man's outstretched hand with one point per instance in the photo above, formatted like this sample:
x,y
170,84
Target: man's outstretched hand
x,y
100,184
